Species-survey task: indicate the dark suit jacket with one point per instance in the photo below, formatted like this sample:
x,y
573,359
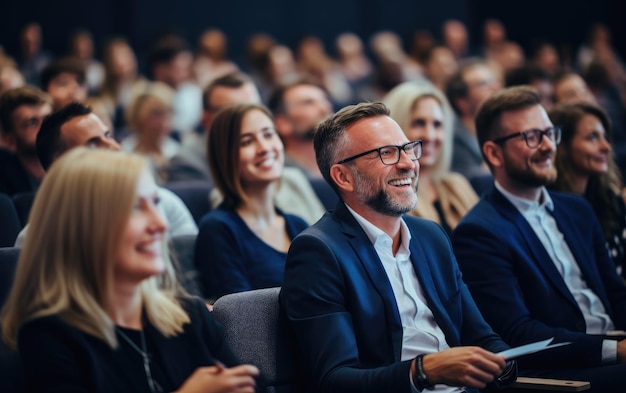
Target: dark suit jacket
x,y
341,306
58,357
518,288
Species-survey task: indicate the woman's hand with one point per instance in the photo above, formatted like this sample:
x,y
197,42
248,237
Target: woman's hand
x,y
219,379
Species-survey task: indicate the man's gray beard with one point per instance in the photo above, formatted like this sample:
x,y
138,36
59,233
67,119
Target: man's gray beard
x,y
380,202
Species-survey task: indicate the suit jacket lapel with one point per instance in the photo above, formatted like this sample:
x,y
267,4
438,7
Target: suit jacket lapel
x,y
542,259
368,257
421,264
583,259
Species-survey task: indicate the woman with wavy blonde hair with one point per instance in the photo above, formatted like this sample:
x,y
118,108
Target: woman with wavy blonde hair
x,y
95,305
424,114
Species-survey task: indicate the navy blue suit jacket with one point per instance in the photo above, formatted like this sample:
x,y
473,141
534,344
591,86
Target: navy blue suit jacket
x,y
341,306
518,288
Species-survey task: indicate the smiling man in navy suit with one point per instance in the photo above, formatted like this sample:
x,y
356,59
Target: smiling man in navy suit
x,y
375,298
534,260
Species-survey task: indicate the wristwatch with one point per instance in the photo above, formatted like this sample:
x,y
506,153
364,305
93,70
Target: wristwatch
x,y
420,380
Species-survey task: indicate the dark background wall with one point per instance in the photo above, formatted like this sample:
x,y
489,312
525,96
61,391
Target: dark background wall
x,y
560,21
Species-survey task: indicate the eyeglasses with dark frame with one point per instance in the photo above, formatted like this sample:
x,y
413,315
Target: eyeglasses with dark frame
x,y
534,137
390,155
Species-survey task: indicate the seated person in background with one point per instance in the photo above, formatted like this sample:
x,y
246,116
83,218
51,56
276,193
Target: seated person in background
x,y
295,195
473,83
298,106
65,80
375,298
570,87
21,112
190,163
150,121
75,125
95,306
535,261
536,77
424,114
585,166
242,245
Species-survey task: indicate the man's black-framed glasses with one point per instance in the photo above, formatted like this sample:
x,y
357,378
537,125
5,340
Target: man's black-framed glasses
x,y
390,155
534,137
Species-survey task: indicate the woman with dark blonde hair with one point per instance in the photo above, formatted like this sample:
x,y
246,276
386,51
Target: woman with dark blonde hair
x,y
242,245
95,306
585,165
424,114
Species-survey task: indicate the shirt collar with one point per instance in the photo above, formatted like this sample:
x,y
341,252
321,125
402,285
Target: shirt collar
x,y
526,205
375,234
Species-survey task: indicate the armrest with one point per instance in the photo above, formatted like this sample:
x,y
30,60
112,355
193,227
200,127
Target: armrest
x,y
544,384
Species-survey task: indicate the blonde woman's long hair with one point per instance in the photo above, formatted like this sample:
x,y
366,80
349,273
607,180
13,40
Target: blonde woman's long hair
x,y
402,99
66,265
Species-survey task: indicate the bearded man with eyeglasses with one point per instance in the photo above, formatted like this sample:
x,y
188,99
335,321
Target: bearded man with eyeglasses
x,y
535,260
374,297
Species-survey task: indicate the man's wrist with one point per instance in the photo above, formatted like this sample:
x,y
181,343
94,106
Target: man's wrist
x,y
419,376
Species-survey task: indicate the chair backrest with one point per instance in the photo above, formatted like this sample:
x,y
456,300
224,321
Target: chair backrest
x,y
11,371
194,194
182,249
9,222
324,192
23,201
8,263
258,333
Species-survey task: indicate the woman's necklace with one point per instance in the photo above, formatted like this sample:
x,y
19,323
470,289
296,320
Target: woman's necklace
x,y
143,351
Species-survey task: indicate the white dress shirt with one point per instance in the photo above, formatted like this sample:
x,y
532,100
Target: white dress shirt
x,y
420,332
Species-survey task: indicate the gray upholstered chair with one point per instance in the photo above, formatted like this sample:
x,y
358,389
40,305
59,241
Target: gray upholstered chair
x,y
9,220
259,334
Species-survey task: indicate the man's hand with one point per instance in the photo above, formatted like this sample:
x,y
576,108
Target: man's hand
x,y
463,366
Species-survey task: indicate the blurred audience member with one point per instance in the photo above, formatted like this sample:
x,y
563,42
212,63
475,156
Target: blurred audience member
x,y
424,114
150,122
507,55
65,81
546,57
354,63
585,166
569,87
295,194
10,76
298,108
171,63
21,112
33,59
394,66
423,42
95,305
212,58
467,90
314,62
454,35
76,125
122,81
190,162
494,34
439,65
242,245
82,47
536,77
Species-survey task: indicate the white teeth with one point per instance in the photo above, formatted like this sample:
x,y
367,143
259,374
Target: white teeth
x,y
400,182
154,247
267,162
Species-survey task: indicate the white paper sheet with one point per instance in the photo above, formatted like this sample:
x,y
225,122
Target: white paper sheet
x,y
527,349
